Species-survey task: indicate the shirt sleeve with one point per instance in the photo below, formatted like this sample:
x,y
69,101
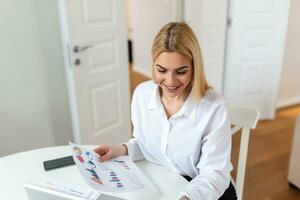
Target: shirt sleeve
x,y
214,164
133,147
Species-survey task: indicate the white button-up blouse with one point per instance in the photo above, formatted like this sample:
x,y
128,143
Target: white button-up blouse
x,y
196,141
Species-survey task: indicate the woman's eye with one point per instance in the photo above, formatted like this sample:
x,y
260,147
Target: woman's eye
x,y
161,70
181,72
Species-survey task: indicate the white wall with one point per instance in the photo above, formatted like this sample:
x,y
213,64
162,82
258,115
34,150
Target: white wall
x,y
34,110
289,90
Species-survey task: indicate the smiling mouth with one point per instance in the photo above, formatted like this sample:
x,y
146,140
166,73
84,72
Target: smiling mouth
x,y
172,88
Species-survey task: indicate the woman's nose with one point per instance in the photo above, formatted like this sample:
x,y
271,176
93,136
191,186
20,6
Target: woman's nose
x,y
171,79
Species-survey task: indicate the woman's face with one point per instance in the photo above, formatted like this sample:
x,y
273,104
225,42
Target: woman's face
x,y
173,73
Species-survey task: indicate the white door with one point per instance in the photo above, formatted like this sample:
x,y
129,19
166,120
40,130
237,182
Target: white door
x,y
95,40
255,47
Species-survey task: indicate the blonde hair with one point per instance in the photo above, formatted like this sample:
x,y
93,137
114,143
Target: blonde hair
x,y
179,37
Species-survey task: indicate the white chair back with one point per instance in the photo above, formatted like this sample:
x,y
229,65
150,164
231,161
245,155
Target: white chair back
x,y
242,119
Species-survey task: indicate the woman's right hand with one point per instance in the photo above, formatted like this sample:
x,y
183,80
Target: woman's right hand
x,y
109,152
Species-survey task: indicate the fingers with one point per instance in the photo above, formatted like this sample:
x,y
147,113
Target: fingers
x,y
101,150
107,156
106,152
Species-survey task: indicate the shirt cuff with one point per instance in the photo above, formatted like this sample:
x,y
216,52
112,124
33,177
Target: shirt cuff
x,y
134,151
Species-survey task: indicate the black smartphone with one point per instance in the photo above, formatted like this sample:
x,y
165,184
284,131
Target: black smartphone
x,y
59,162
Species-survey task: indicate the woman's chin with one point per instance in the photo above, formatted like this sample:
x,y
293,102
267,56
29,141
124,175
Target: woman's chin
x,y
171,94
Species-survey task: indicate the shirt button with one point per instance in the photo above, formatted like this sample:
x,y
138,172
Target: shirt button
x,y
168,127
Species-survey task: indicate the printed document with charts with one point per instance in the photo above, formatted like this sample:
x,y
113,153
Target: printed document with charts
x,y
116,175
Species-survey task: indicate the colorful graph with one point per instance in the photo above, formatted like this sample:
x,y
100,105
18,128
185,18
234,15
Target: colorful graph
x,y
114,178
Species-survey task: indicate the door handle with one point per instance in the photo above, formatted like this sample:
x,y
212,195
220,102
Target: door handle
x,y
78,49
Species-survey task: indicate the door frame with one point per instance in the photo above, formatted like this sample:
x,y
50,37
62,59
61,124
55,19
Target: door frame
x,y
69,72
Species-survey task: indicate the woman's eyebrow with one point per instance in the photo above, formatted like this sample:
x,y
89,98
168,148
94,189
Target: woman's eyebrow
x,y
179,68
161,66
183,67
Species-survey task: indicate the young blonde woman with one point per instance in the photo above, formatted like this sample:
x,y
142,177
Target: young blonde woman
x,y
179,120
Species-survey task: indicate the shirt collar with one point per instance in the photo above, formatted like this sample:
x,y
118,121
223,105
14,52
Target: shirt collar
x,y
188,109
154,100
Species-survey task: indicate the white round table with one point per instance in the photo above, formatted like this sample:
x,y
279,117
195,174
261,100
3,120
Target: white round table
x,y
27,166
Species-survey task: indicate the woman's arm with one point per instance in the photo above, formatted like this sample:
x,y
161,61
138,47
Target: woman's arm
x,y
214,164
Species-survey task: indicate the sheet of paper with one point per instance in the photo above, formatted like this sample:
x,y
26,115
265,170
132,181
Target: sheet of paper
x,y
116,175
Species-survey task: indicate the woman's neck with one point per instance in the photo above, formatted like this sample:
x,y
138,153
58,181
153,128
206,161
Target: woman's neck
x,y
179,98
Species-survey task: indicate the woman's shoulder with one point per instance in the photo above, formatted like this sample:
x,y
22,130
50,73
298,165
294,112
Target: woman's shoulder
x,y
214,98
145,87
211,103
